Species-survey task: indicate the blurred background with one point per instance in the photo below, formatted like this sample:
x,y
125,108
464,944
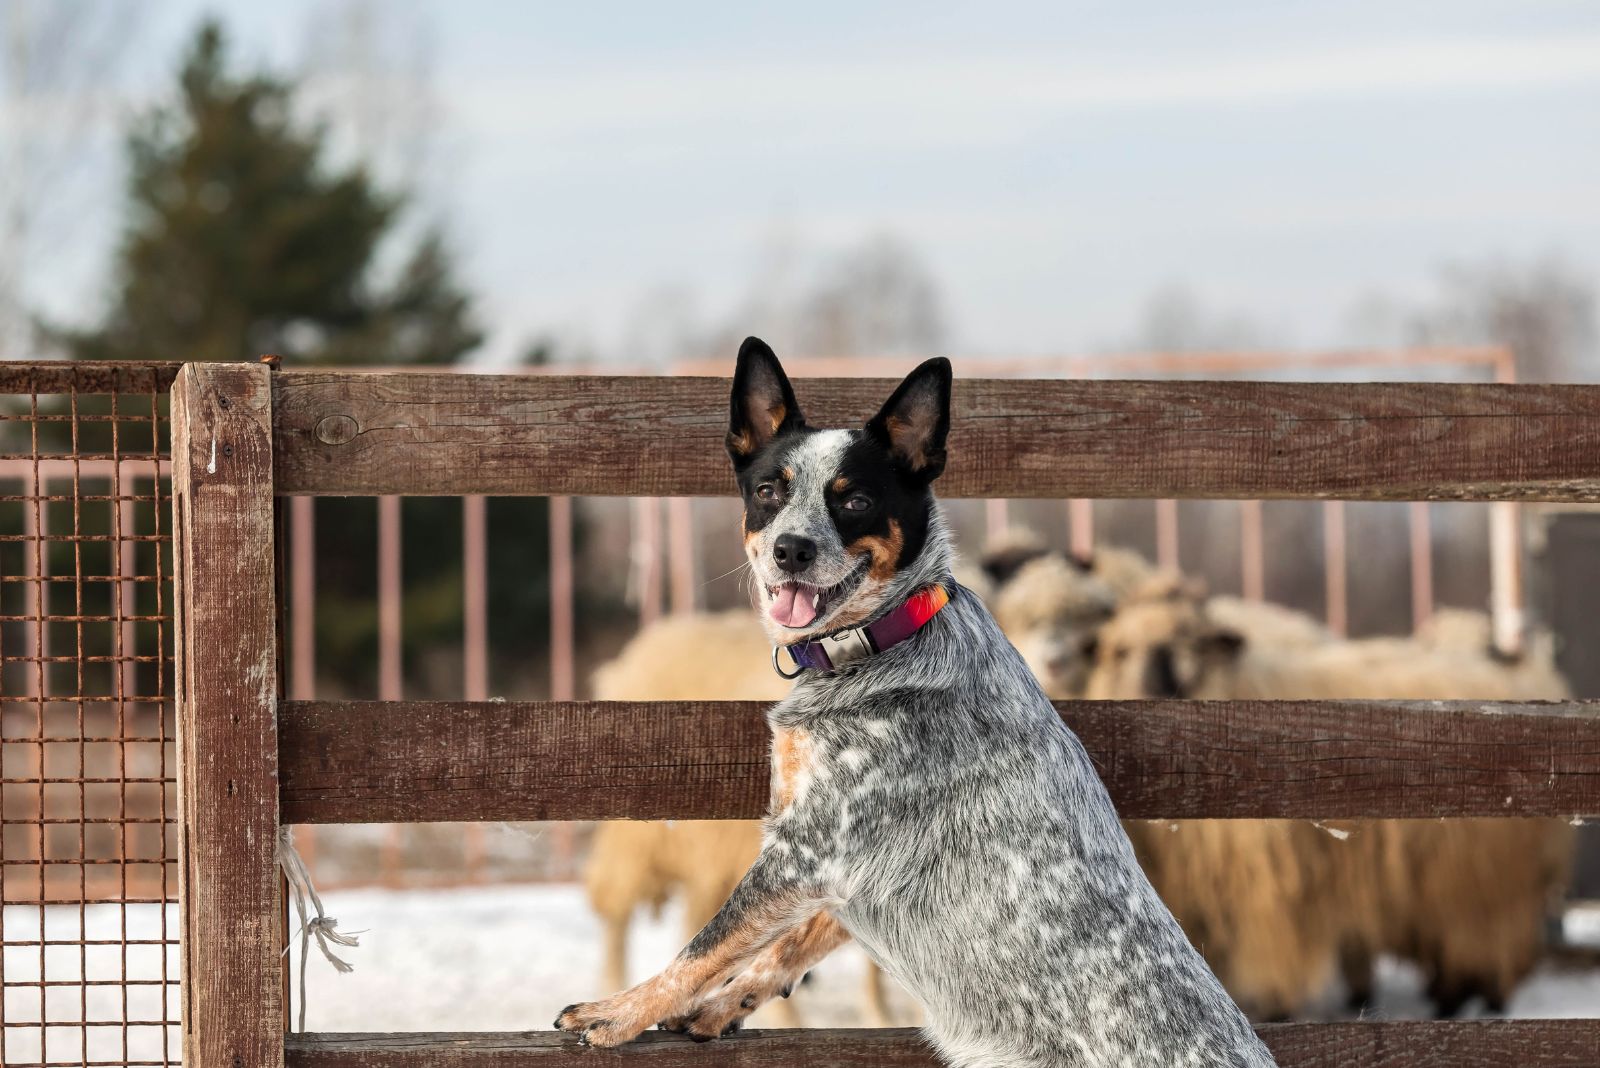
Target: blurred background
x,y
1396,190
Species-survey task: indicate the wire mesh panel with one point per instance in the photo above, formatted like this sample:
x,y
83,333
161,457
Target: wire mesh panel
x,y
89,962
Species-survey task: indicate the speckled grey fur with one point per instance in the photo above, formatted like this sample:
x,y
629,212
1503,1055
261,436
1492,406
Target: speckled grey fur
x,y
927,796
958,830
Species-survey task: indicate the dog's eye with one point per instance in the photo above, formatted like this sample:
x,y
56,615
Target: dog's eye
x,y
767,492
858,503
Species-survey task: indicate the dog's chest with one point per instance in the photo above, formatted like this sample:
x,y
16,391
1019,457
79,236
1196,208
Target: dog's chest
x,y
794,766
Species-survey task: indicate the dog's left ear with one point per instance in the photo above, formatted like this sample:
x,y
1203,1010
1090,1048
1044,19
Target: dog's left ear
x,y
913,423
762,405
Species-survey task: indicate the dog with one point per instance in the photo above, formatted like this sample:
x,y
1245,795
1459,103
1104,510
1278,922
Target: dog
x,y
926,797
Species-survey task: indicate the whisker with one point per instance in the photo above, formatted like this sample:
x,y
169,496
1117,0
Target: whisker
x,y
725,574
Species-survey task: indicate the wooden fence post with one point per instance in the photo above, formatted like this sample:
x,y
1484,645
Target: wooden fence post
x,y
227,693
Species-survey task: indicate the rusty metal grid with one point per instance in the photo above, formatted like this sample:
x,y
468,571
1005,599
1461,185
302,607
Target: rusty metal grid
x,y
89,962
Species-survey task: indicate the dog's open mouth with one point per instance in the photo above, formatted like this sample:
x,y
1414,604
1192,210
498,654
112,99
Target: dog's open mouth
x,y
799,604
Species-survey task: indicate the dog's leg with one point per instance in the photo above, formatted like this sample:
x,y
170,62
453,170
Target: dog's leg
x,y
774,972
764,907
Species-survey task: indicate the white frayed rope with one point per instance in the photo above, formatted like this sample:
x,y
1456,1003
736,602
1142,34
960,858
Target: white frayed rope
x,y
322,927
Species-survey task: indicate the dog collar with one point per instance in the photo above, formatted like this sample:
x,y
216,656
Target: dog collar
x,y
834,651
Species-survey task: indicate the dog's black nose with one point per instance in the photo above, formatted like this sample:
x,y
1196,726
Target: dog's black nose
x,y
794,553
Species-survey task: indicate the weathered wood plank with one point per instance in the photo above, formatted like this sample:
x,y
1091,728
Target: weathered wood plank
x,y
355,762
372,433
1358,1044
87,376
227,728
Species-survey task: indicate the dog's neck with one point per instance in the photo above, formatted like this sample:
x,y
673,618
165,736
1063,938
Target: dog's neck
x,y
931,566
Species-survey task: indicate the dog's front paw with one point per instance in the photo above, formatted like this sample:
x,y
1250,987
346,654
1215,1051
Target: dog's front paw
x,y
702,1026
599,1023
723,1011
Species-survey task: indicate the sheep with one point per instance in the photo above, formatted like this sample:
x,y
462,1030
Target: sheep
x,y
1252,895
1465,899
721,656
633,862
1267,622
1532,671
1050,605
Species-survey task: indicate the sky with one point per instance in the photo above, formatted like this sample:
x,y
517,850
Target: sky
x,y
604,169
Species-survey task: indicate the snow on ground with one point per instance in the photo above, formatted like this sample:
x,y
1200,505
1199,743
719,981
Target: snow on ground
x,y
508,958
501,958
146,1002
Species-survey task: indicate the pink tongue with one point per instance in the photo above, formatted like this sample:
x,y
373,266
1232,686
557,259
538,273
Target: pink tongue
x,y
793,608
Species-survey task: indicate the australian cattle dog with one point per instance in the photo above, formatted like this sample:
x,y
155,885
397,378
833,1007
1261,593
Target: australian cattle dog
x,y
926,798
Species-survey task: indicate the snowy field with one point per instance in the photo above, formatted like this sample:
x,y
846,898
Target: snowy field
x,y
509,958
486,959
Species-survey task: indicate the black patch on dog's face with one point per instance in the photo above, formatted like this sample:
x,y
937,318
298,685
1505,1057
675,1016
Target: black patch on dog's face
x,y
898,505
771,468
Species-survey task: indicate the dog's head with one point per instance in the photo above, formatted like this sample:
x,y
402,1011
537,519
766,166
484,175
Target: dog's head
x,y
833,519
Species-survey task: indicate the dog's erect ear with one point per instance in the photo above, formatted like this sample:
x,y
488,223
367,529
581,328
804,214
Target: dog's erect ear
x,y
762,405
915,420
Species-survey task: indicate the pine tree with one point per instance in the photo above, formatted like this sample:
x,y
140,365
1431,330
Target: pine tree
x,y
241,239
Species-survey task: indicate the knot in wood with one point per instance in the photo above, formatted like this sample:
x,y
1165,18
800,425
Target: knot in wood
x,y
336,429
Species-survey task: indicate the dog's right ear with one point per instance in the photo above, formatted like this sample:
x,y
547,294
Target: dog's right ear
x,y
762,405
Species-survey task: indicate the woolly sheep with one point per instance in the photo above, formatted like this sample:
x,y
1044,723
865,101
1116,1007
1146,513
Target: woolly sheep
x,y
1465,899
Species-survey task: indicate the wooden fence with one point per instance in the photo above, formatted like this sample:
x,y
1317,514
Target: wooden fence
x,y
243,435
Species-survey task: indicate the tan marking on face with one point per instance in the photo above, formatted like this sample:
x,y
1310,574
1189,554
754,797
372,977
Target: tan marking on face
x,y
788,474
793,761
884,550
840,485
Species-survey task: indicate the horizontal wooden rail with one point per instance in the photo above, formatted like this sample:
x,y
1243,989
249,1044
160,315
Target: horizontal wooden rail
x,y
452,434
370,761
88,376
1359,1044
